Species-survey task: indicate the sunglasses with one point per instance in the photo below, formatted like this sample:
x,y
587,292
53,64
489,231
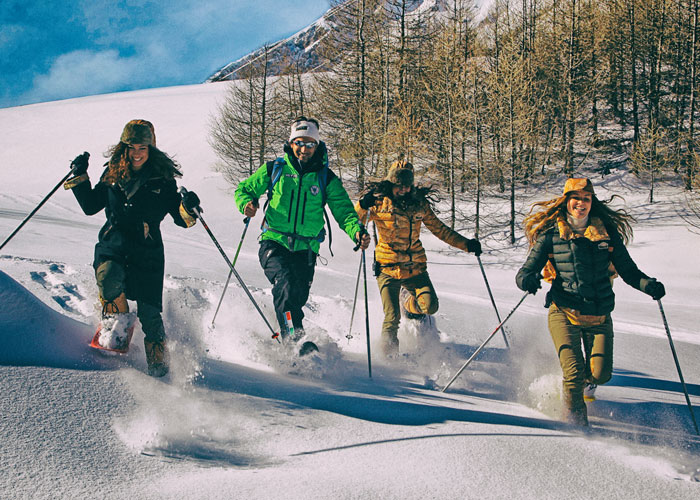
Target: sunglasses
x,y
301,144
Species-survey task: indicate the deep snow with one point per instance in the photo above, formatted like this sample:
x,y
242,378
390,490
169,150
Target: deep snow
x,y
241,417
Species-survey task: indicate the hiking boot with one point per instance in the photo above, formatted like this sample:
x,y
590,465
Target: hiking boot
x,y
390,346
405,297
574,410
576,416
157,358
589,392
117,305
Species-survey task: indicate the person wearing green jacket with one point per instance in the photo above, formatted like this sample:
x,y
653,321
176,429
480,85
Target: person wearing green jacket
x,y
293,227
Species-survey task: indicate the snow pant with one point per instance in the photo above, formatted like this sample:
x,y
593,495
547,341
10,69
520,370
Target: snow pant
x,y
424,300
291,275
111,282
585,354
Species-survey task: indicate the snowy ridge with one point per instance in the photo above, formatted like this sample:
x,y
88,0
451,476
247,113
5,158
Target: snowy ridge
x,y
241,417
305,42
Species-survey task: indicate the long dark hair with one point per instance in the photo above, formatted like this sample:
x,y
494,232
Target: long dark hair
x,y
119,165
416,196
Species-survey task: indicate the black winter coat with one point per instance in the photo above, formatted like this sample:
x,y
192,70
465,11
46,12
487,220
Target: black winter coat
x,y
131,235
583,275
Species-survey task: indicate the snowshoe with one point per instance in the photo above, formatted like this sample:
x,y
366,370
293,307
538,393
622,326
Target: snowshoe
x,y
307,348
114,333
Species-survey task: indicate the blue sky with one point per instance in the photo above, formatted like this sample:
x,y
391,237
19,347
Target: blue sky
x,y
59,49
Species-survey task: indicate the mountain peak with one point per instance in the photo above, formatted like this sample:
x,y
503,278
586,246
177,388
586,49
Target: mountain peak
x,y
302,47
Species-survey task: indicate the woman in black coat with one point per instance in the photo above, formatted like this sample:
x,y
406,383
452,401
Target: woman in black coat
x,y
137,190
580,243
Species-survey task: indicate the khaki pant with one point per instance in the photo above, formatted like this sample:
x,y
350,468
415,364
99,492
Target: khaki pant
x,y
111,282
426,302
585,354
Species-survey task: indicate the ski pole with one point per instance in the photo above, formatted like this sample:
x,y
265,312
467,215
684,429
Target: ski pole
x,y
41,204
357,286
483,273
198,213
354,300
369,356
495,331
678,366
235,258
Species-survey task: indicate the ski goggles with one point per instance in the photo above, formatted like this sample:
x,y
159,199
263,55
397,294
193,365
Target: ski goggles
x,y
301,144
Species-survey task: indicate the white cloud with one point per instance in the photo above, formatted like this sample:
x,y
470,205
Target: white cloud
x,y
84,72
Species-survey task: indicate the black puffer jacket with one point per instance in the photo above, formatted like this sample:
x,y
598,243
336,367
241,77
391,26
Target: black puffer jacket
x,y
131,235
579,266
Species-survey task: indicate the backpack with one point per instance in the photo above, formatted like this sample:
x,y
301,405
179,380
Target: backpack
x,y
275,172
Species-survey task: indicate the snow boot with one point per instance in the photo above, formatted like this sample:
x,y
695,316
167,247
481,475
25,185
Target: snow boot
x,y
390,345
157,358
574,410
407,302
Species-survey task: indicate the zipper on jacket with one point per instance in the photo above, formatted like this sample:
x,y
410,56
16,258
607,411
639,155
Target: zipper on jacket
x,y
303,209
289,211
410,238
296,212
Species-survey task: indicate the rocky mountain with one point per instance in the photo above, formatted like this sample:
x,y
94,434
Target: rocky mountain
x,y
302,47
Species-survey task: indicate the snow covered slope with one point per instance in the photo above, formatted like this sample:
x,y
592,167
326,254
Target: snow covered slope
x,y
241,417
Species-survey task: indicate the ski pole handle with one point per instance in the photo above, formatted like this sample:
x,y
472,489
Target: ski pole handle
x,y
363,231
182,191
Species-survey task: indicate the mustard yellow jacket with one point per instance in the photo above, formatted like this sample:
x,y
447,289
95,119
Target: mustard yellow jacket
x,y
399,249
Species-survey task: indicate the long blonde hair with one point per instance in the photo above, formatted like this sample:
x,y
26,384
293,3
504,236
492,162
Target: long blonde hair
x,y
552,210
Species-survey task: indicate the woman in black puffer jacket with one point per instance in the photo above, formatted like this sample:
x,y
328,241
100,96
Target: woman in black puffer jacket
x,y
137,190
580,243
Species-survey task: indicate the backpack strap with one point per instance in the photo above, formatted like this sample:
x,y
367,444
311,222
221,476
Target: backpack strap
x,y
274,171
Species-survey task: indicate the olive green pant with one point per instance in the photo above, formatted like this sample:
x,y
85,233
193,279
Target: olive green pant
x,y
426,302
111,283
585,354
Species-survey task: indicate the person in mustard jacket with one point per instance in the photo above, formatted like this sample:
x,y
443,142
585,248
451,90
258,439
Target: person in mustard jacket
x,y
399,209
579,241
294,220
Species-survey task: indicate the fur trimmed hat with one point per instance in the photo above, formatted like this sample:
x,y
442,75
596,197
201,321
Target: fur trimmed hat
x,y
305,127
400,173
578,184
139,132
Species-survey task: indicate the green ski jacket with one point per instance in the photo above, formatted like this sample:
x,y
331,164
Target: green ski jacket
x,y
294,216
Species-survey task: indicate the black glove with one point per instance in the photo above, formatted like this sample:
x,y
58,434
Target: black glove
x,y
191,202
474,246
655,289
531,283
368,200
80,165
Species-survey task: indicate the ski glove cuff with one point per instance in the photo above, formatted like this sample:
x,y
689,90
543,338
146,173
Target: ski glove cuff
x,y
74,181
